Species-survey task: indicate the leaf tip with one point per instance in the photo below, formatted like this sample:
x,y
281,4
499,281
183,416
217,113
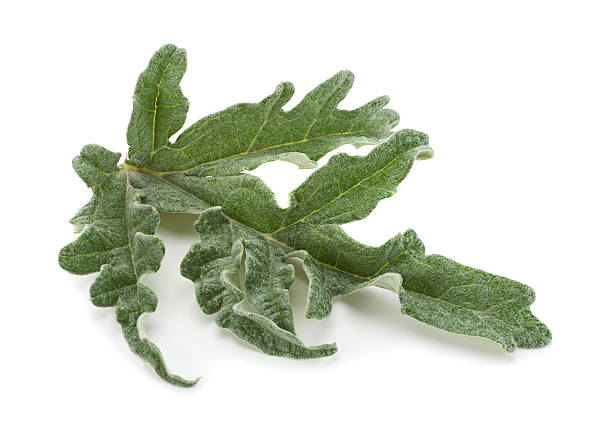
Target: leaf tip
x,y
193,382
346,77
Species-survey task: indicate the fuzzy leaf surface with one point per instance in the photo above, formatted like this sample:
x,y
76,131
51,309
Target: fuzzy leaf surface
x,y
160,109
348,188
245,135
242,268
227,267
117,239
432,288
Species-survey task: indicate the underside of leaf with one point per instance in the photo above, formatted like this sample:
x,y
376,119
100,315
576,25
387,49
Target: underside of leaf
x,y
231,265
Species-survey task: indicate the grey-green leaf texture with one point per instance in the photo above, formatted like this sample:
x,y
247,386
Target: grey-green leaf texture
x,y
243,266
117,240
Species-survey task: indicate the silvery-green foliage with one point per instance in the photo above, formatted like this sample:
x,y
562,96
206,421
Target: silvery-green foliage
x,y
245,135
433,289
243,266
233,265
117,240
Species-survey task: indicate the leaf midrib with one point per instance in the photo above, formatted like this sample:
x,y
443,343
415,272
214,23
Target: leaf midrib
x,y
341,194
270,238
156,108
127,228
241,154
264,235
128,245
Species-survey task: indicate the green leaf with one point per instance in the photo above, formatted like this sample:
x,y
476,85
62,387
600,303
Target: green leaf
x,y
232,264
346,189
117,240
245,135
461,299
267,281
432,288
160,109
243,266
326,282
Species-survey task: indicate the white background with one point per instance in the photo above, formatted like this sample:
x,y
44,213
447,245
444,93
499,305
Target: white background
x,y
517,100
